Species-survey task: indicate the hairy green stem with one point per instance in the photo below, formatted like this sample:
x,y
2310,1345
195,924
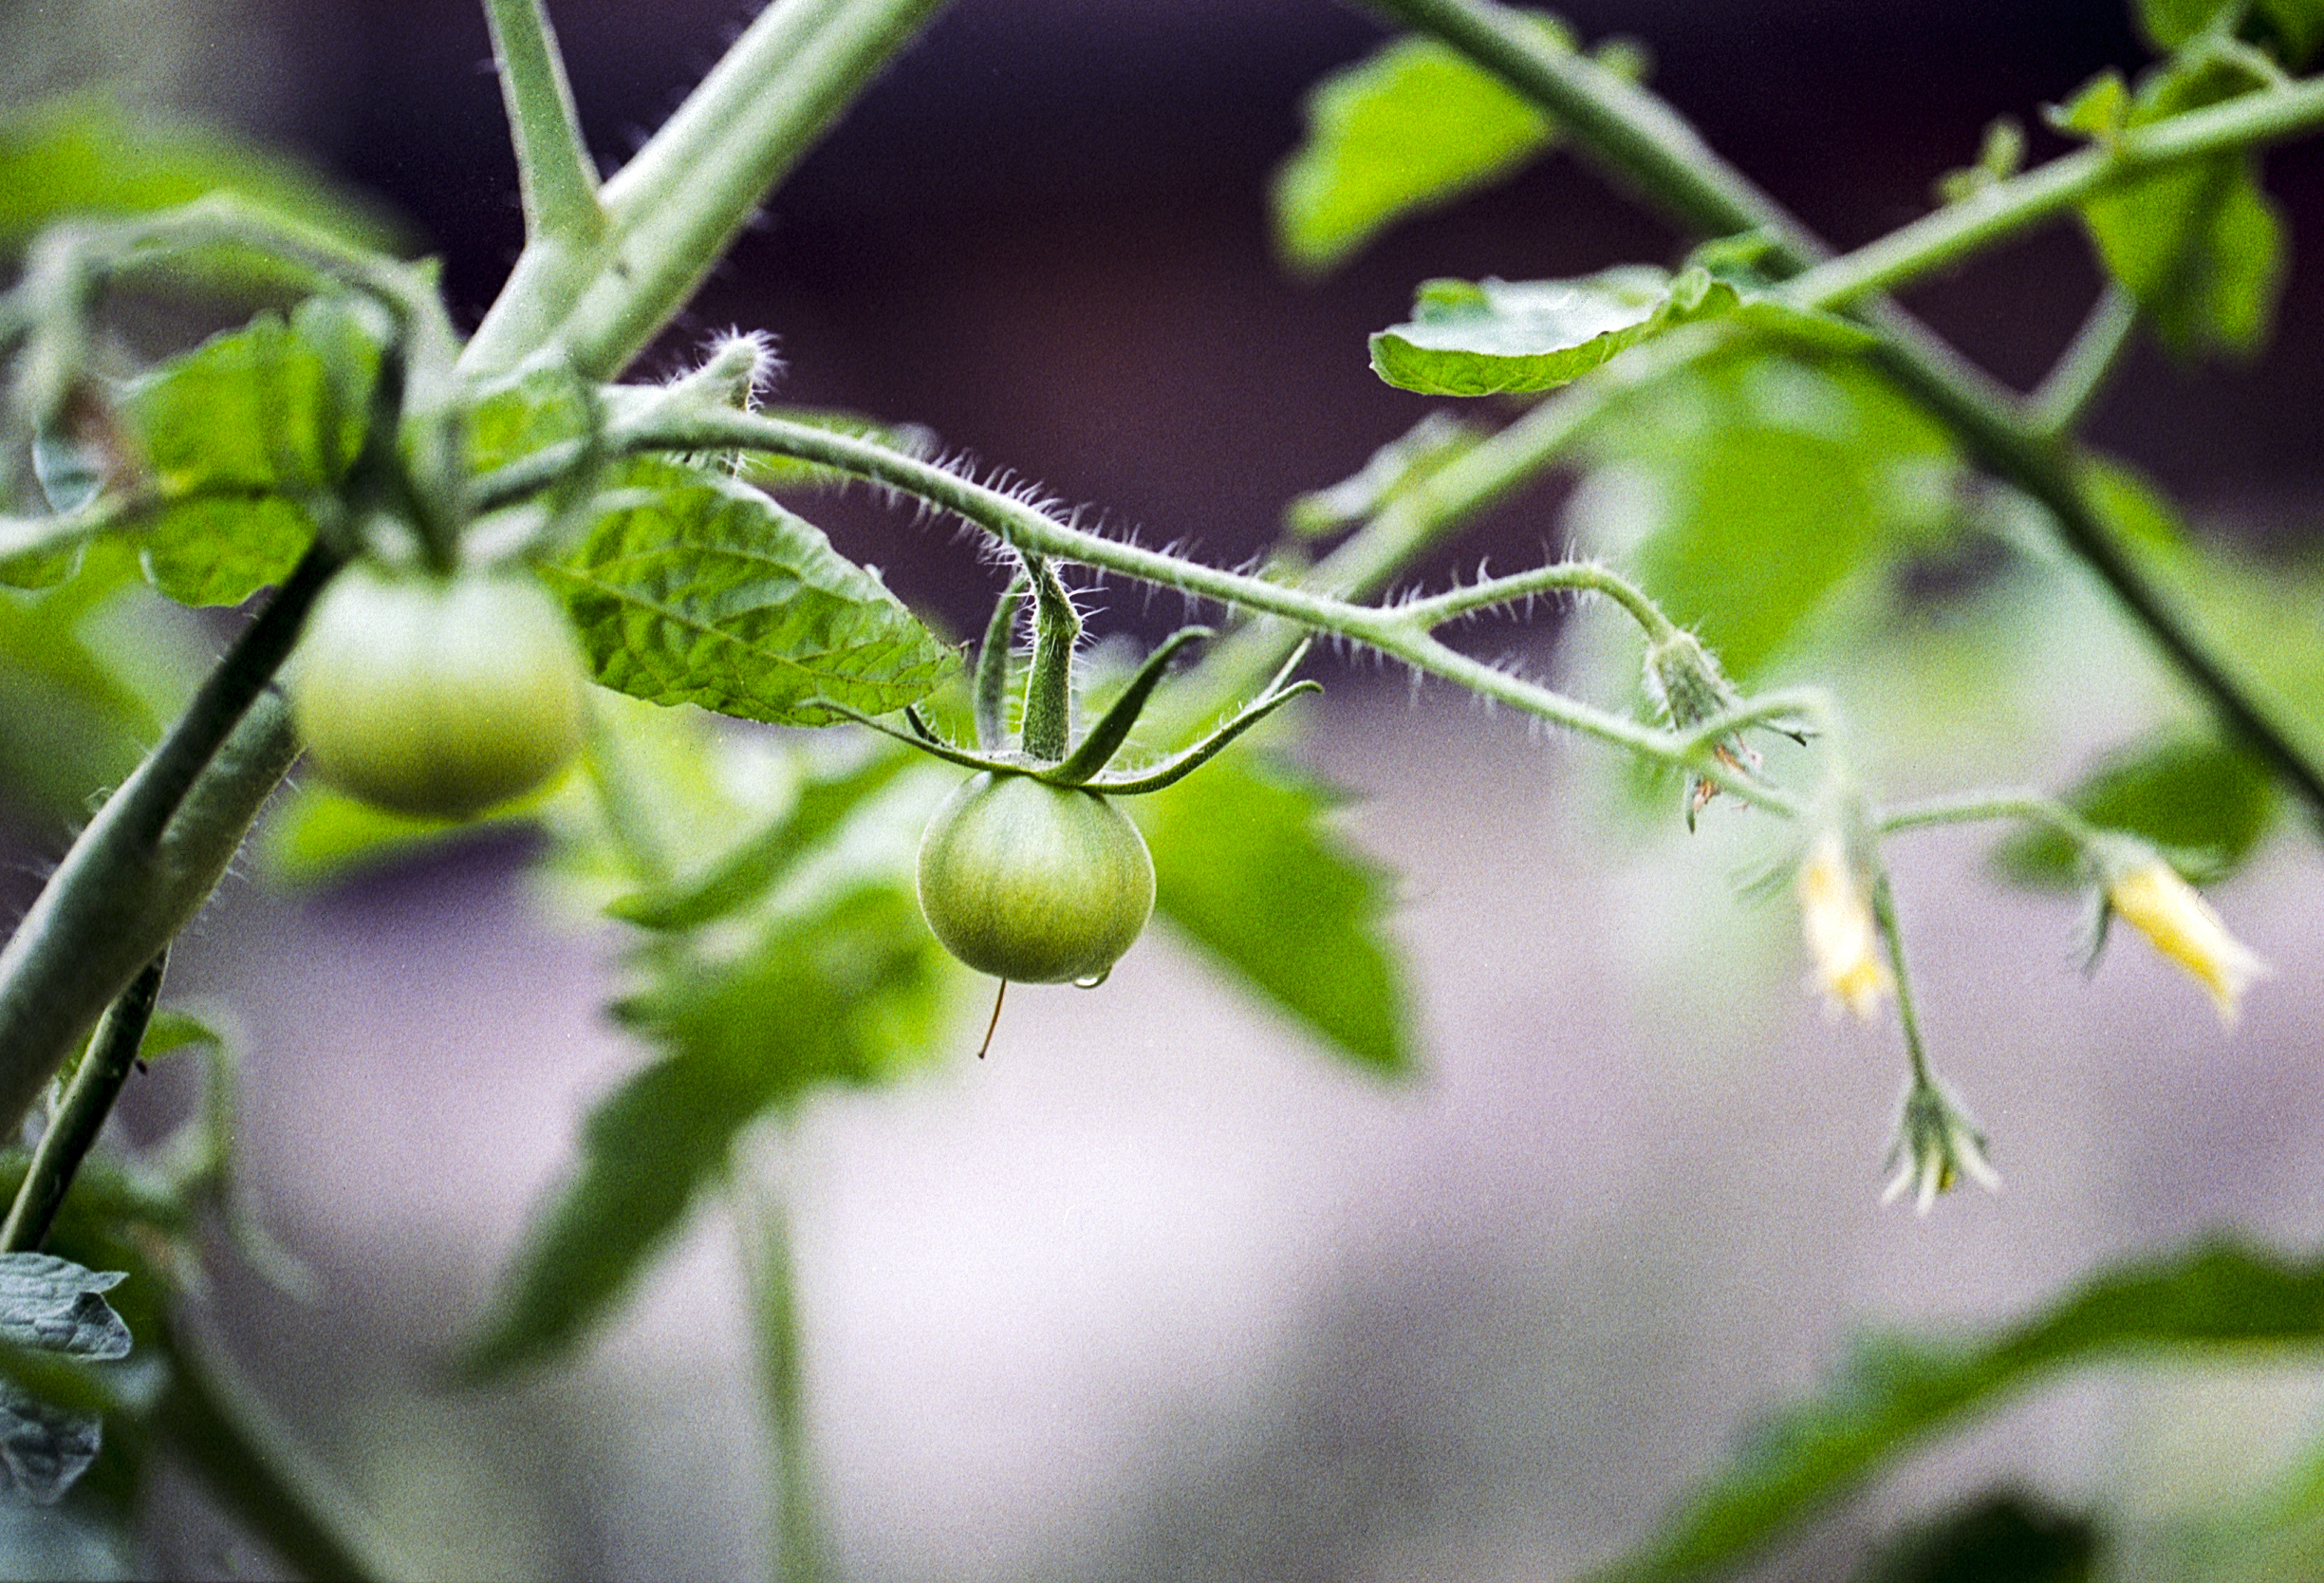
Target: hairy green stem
x,y
1983,806
555,174
1647,141
82,1112
149,860
1032,531
674,208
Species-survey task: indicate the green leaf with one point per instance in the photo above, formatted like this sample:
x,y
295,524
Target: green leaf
x,y
1895,1395
236,435
1769,486
1247,866
2293,28
848,990
88,156
744,875
1498,337
705,592
2191,796
1413,126
2198,244
314,836
2099,108
1401,466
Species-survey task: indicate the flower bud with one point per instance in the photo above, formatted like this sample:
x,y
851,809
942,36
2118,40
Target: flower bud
x,y
1686,683
1835,913
1937,1143
2149,894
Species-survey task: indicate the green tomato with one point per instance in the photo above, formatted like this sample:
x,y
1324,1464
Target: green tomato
x,y
437,696
1041,885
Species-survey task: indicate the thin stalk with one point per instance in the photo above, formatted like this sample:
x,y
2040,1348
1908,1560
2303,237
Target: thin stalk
x,y
1907,1013
1983,807
87,1104
802,1550
1647,141
149,860
212,1420
2066,394
1568,577
555,174
674,209
1032,531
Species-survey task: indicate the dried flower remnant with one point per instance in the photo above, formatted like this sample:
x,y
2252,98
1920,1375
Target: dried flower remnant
x,y
1835,912
1936,1144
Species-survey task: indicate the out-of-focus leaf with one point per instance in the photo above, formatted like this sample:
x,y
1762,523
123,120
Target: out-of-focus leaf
x,y
234,435
2098,110
1400,465
86,155
1767,485
315,835
1247,866
848,990
700,590
71,722
2217,1298
1412,125
761,860
1498,337
2194,796
2293,28
2002,1537
2198,244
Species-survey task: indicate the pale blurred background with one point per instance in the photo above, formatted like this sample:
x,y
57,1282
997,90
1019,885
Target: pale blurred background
x,y
1159,1291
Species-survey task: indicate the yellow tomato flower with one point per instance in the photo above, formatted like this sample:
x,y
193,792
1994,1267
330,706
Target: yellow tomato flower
x,y
2149,894
1835,911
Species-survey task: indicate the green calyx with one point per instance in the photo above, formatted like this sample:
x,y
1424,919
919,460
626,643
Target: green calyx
x,y
1044,749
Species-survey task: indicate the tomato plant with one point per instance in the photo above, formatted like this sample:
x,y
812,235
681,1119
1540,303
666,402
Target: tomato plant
x,y
1789,448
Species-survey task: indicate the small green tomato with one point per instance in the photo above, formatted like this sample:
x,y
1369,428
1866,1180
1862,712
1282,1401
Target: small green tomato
x,y
1034,884
435,696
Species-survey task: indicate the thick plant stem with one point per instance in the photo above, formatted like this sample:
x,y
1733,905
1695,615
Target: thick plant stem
x,y
1645,140
82,1114
673,210
149,860
554,171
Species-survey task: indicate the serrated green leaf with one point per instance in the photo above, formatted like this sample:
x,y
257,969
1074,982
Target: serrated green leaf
x,y
2199,245
2194,796
1772,483
53,1305
1247,866
235,435
1411,126
1498,337
86,155
1893,1396
704,591
847,990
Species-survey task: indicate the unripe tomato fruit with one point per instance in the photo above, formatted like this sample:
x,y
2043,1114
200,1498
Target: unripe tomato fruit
x,y
438,695
1040,884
